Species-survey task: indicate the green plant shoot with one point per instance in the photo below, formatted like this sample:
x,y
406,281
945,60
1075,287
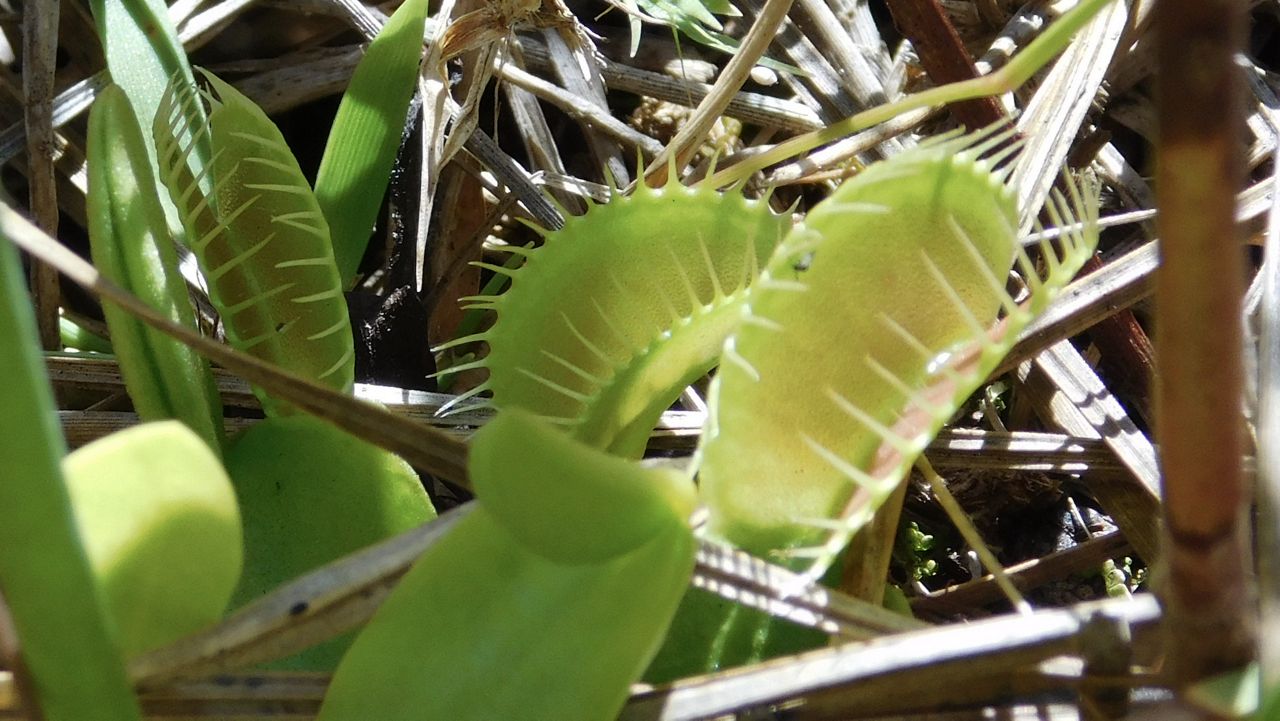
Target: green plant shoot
x,y
56,607
366,134
131,245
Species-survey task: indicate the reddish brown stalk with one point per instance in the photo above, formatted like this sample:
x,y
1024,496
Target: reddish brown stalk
x,y
1125,347
1199,287
1128,357
40,47
943,56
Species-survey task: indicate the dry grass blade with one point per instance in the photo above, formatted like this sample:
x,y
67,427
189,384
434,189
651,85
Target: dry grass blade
x,y
973,663
1073,398
426,448
313,608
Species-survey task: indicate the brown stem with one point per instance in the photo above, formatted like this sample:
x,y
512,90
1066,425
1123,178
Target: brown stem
x,y
1199,287
943,56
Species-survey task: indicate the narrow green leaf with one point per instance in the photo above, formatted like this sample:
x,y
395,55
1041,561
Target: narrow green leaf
x,y
76,337
366,133
143,54
56,607
130,244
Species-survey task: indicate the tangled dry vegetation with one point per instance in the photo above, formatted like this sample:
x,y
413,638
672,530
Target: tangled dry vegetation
x,y
1054,460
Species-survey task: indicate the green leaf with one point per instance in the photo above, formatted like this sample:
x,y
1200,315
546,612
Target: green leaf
x,y
56,607
488,602
1234,694
310,494
604,506
77,337
159,521
482,628
366,133
130,244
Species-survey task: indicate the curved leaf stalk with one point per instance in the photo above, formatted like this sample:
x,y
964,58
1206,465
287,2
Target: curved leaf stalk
x,y
616,313
130,243
899,274
57,609
262,242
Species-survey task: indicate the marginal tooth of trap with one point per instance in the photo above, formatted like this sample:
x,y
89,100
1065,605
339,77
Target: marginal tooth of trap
x,y
586,343
520,250
984,270
500,270
789,286
572,368
480,405
198,246
752,265
557,420
1027,268
735,358
685,280
445,407
860,208
759,321
832,525
856,475
923,351
901,386
903,445
459,368
613,328
463,340
567,392
479,298
716,290
950,291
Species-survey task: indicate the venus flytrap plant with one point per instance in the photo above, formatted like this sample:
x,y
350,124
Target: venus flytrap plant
x,y
310,493
534,574
908,262
604,362
262,242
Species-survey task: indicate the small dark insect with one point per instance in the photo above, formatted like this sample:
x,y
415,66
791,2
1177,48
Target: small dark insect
x,y
803,263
